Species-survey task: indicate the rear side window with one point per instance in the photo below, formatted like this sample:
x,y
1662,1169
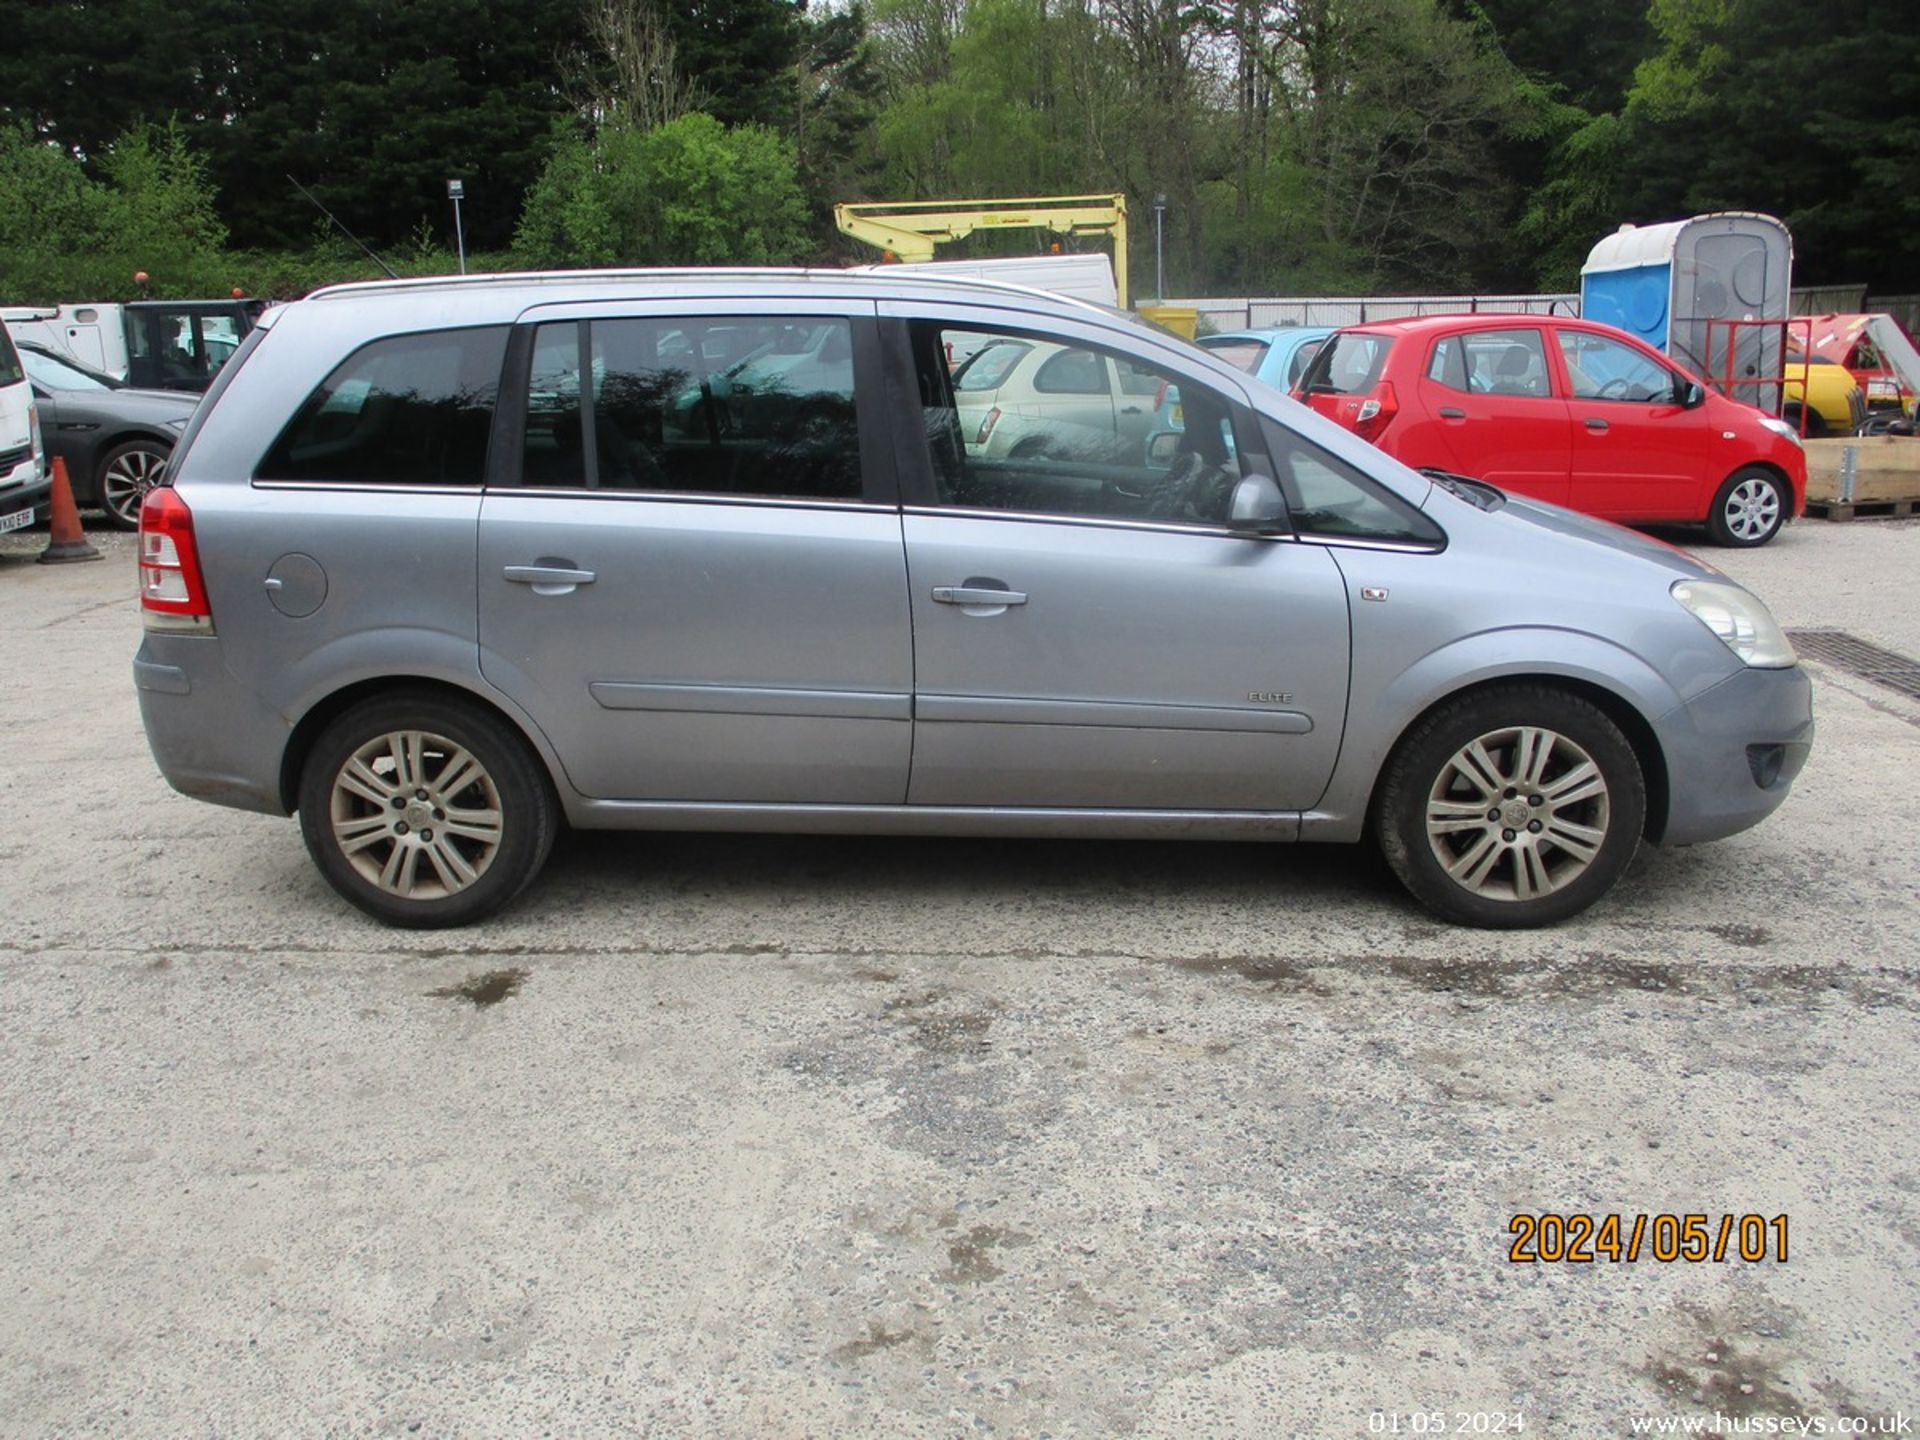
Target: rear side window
x,y
10,371
409,410
695,406
1348,364
1072,372
1492,362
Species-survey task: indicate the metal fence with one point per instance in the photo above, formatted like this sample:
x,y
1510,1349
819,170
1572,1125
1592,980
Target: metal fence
x,y
1252,313
1263,313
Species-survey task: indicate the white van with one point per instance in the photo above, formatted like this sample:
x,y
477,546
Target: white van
x,y
23,461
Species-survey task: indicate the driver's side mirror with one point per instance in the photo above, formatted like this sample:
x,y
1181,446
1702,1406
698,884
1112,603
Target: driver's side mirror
x,y
1693,396
1257,507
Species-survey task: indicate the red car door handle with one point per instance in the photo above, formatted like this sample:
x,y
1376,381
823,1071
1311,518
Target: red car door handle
x,y
1448,412
1596,424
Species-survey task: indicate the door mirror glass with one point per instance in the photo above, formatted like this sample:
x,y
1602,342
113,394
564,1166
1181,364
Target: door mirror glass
x,y
1257,507
1693,396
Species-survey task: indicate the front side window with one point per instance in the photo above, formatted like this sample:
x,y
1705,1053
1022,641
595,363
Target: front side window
x,y
1492,362
409,410
1328,498
10,372
697,406
1050,440
1602,369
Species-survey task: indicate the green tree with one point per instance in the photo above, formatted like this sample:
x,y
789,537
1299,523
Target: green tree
x,y
739,54
67,236
689,192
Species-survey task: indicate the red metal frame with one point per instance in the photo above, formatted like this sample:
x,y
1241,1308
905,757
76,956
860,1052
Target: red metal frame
x,y
1727,382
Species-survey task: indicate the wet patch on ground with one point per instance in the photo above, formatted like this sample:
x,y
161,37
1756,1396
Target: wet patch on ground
x,y
1732,1360
970,1255
1595,975
484,990
877,1338
941,1030
1282,976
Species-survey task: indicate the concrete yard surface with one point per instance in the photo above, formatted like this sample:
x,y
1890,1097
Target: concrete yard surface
x,y
782,1137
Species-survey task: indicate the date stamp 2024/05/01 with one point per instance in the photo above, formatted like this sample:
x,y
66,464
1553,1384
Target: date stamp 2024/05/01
x,y
1694,1239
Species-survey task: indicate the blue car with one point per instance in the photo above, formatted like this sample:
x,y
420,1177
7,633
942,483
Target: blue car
x,y
1278,357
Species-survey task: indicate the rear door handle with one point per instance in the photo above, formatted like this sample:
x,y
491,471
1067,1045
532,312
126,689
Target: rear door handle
x,y
971,595
555,579
1449,412
1596,425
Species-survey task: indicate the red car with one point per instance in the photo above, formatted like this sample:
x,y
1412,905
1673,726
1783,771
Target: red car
x,y
1564,410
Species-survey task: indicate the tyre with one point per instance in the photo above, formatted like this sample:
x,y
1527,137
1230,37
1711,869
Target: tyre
x,y
425,812
1749,509
1511,807
126,473
1809,422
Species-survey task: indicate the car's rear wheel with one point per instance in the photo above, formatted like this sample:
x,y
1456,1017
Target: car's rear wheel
x,y
1511,807
127,472
1749,509
425,812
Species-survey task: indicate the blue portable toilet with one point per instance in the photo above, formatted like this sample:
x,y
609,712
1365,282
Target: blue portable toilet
x,y
1665,283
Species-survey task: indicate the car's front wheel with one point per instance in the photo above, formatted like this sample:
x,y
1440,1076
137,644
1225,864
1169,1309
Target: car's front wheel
x,y
1511,807
425,812
127,472
1749,509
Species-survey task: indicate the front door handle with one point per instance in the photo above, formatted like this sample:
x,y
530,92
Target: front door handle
x,y
976,595
555,578
1452,412
1596,425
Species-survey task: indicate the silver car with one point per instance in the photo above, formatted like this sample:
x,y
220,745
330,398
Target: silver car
x,y
444,564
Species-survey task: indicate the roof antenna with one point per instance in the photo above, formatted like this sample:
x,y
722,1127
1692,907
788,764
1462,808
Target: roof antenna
x,y
391,273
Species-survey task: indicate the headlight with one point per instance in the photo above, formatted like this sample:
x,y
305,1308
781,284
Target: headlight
x,y
1780,427
1746,625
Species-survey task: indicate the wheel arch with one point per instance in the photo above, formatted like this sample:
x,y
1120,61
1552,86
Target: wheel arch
x,y
313,723
1622,711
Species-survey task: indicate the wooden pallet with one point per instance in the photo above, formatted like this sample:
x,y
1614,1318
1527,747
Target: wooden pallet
x,y
1875,477
1861,509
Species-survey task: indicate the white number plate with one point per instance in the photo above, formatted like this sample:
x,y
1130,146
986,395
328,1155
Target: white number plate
x,y
19,520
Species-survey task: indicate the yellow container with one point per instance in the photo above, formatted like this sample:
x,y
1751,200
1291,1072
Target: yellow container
x,y
1183,320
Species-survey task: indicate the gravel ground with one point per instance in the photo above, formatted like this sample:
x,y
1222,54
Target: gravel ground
x,y
741,1136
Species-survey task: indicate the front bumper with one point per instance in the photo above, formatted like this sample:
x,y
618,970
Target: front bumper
x,y
34,494
1733,751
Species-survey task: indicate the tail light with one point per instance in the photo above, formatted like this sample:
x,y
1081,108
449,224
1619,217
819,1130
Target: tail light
x,y
173,592
1368,415
986,425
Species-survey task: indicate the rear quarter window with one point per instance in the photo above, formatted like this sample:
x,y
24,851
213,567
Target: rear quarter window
x,y
408,410
1348,364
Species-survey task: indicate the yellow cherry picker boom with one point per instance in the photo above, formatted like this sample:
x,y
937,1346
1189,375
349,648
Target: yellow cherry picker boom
x,y
909,230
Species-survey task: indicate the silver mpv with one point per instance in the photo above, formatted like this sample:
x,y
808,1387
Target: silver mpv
x,y
444,563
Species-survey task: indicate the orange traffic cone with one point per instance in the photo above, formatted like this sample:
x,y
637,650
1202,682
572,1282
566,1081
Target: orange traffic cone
x,y
69,541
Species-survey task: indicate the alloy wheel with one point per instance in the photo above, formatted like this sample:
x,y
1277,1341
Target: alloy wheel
x,y
416,815
1517,813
